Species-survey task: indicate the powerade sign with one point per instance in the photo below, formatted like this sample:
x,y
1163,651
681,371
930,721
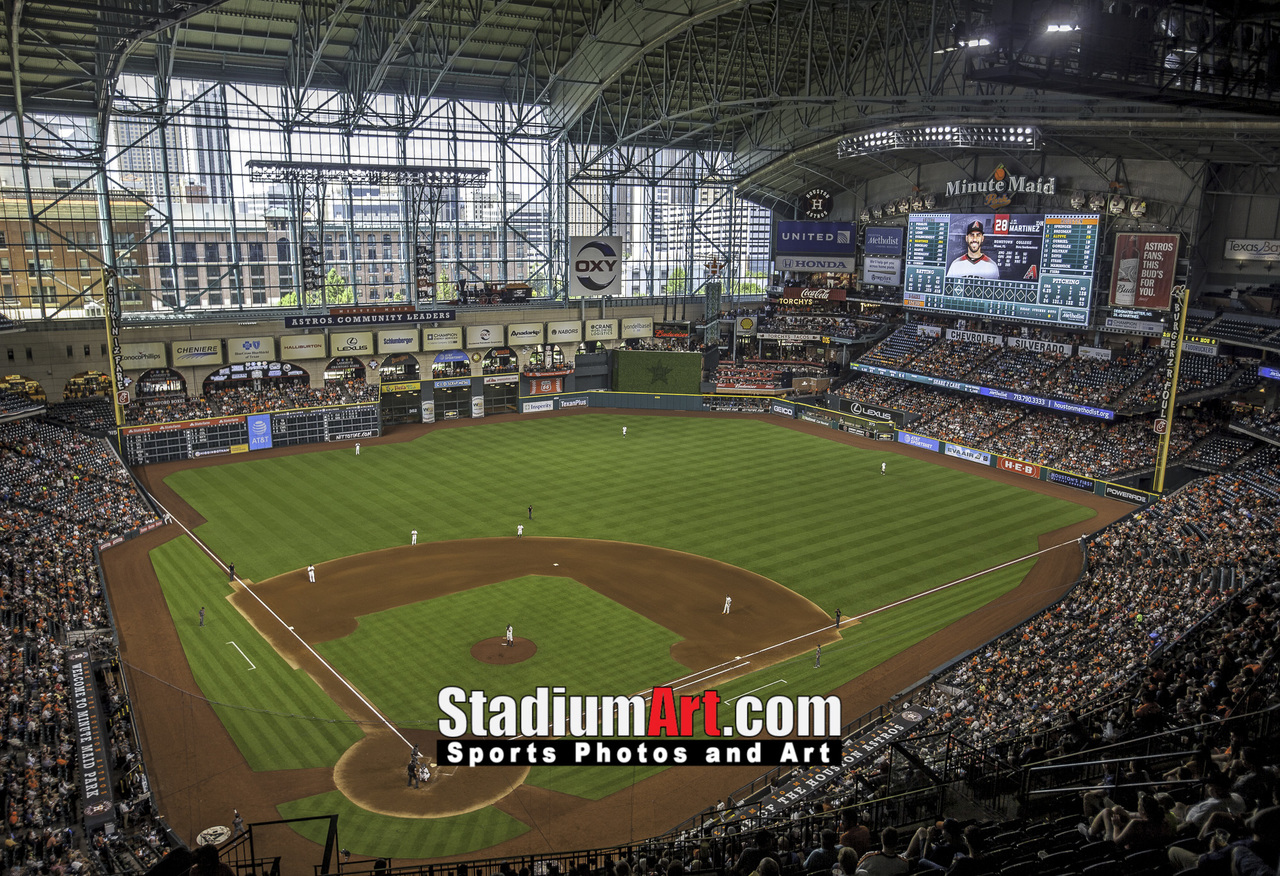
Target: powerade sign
x,y
1061,477
259,431
968,453
1052,404
1111,491
816,238
883,241
919,441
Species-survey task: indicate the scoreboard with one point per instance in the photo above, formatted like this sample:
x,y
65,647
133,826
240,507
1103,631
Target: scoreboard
x,y
192,439
1026,266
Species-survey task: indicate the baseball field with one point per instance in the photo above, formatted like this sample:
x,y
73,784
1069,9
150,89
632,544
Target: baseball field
x,y
288,698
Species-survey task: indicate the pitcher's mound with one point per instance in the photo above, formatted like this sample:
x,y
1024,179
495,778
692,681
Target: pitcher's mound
x,y
495,650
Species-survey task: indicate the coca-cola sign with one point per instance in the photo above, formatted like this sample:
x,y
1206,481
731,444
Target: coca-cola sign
x,y
813,293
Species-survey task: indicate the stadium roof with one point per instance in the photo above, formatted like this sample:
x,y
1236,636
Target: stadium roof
x,y
766,88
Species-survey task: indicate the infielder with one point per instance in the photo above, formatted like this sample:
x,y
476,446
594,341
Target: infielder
x,y
728,601
311,574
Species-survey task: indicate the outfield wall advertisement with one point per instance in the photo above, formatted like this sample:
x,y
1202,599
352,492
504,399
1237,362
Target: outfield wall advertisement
x,y
1028,469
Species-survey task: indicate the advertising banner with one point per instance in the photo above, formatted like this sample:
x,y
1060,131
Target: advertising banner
x,y
595,266
1269,373
534,407
807,295
546,385
525,333
136,357
782,409
1241,249
975,337
1070,480
579,402
565,332
1133,326
304,347
918,441
1142,270
1095,353
259,431
838,264
1128,494
477,407
882,271
637,327
745,326
428,410
816,238
351,343
1017,466
484,336
452,382
883,241
197,353
1204,349
1052,404
961,452
442,338
403,340
602,330
495,379
261,348
1020,343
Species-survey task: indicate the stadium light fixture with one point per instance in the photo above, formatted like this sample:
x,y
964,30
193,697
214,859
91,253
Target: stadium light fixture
x,y
1020,138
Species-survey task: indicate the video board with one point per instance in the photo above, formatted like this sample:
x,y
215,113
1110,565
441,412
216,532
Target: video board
x,y
1030,267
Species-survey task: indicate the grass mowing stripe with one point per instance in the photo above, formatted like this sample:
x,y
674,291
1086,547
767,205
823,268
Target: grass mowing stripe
x,y
270,694
826,523
385,836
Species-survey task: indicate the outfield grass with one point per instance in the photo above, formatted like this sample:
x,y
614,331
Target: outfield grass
x,y
815,515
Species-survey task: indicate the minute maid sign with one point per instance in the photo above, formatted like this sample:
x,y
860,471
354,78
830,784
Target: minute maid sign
x,y
1002,186
197,352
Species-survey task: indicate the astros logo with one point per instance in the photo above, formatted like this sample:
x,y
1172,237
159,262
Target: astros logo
x,y
596,266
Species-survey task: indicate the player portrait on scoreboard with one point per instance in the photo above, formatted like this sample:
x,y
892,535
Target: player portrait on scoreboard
x,y
998,246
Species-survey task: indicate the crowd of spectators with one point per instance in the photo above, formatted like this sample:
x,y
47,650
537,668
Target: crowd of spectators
x,y
1196,373
61,493
257,397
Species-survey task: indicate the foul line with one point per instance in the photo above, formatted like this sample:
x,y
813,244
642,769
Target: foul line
x,y
242,654
301,641
680,683
691,679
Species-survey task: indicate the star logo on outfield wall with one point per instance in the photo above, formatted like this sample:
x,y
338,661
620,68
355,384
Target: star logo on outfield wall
x,y
659,373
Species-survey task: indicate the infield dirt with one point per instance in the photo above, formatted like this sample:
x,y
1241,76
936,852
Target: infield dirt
x,y
198,785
